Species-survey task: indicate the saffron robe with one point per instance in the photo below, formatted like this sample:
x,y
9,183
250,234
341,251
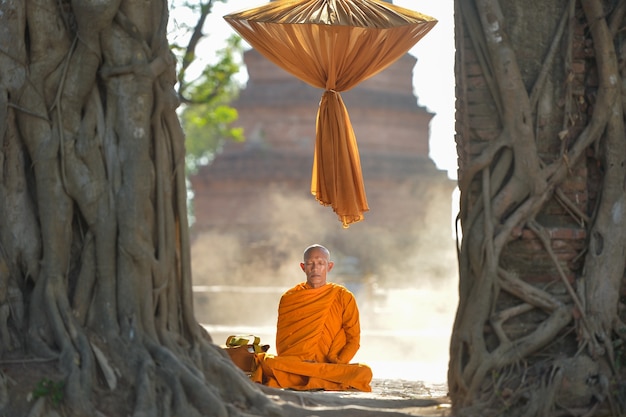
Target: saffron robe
x,y
318,334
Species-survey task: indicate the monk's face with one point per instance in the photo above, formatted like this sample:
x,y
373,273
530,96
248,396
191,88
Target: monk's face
x,y
316,266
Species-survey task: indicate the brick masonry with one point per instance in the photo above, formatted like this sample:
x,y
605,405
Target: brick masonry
x,y
237,192
278,114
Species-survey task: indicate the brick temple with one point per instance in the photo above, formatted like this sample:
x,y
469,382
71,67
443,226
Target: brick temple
x,y
236,193
257,189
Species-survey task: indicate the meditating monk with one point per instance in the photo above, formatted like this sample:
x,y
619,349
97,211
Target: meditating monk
x,y
318,334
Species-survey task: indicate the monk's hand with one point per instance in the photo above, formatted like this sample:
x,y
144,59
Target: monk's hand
x,y
333,359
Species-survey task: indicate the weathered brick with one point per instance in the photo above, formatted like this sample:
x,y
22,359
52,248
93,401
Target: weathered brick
x,y
250,185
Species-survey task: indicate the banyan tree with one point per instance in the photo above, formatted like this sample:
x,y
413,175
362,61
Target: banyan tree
x,y
542,168
95,281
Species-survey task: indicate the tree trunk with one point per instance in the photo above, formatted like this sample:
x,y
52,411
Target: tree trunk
x,y
94,250
542,145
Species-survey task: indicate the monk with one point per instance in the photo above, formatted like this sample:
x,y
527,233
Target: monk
x,y
318,334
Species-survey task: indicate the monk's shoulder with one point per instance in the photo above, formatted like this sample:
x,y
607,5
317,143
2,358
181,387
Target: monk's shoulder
x,y
300,287
342,291
337,287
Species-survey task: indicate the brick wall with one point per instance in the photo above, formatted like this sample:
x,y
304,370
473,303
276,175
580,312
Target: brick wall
x,y
255,188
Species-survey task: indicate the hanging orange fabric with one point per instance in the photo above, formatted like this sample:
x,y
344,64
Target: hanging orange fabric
x,y
333,45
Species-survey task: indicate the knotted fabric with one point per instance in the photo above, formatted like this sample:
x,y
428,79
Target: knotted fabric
x,y
333,45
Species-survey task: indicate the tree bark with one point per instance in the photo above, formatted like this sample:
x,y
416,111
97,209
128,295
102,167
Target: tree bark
x,y
94,246
539,337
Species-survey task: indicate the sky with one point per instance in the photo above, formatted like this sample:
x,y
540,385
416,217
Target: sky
x,y
433,75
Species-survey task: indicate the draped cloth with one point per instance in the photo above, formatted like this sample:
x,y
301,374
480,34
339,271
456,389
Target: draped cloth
x,y
318,334
334,45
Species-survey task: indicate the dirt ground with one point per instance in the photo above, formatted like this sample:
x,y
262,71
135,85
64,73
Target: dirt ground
x,y
389,397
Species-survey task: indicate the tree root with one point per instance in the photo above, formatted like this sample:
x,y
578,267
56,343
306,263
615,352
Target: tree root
x,y
4,390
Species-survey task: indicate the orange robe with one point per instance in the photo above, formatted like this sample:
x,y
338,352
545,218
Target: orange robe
x,y
318,333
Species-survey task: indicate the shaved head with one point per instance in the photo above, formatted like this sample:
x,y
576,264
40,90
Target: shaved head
x,y
316,265
307,251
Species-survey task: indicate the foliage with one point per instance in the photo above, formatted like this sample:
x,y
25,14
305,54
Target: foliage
x,y
207,115
205,93
50,389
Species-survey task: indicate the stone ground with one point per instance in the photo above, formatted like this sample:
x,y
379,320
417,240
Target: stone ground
x,y
389,398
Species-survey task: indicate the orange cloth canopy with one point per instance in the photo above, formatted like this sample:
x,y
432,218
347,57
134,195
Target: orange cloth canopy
x,y
334,45
318,334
